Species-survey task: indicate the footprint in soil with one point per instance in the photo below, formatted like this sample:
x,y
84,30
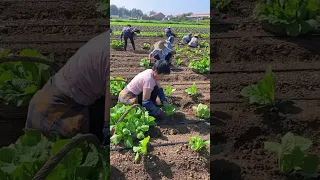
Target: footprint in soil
x,y
225,170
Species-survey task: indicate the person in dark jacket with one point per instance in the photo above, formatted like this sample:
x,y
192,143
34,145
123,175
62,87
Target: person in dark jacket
x,y
168,32
128,32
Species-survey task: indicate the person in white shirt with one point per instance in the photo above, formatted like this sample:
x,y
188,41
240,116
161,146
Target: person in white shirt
x,y
194,41
161,52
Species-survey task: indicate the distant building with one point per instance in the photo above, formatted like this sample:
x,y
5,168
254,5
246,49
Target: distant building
x,y
158,16
198,16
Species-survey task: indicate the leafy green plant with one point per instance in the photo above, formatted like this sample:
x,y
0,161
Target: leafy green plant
x,y
168,109
23,159
144,62
197,144
134,125
293,17
19,81
117,44
168,90
291,156
192,91
262,93
179,62
201,65
142,148
103,7
117,85
190,56
146,46
203,44
202,111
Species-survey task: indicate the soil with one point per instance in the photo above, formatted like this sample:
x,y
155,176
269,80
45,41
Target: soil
x,y
32,24
243,50
167,162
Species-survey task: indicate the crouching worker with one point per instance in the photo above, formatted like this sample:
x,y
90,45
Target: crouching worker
x,y
169,42
76,99
144,89
186,39
161,52
194,41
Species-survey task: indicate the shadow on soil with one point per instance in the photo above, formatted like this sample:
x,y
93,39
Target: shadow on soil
x,y
310,43
219,26
155,132
141,52
218,118
249,135
225,170
157,168
275,119
116,174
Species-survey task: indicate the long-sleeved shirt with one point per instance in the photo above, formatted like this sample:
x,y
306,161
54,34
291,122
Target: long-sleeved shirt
x,y
186,39
194,42
169,44
162,54
168,31
127,31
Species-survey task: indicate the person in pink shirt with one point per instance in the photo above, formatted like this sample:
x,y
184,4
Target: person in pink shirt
x,y
145,87
77,98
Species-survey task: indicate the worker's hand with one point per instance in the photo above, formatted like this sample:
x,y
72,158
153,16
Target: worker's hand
x,y
162,116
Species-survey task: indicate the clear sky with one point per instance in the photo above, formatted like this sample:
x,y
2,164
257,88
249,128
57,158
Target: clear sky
x,y
167,7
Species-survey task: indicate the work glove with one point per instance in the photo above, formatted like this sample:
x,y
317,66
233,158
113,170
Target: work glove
x,y
106,133
162,116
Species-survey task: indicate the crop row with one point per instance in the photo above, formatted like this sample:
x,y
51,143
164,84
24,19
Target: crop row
x,y
158,34
193,29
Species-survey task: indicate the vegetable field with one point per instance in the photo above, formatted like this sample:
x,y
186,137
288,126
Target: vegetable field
x,y
261,140
55,29
177,148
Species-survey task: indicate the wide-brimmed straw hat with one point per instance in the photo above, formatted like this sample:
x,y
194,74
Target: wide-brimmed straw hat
x,y
196,35
169,27
160,45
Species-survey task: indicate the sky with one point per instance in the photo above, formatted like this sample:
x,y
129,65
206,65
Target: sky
x,y
167,7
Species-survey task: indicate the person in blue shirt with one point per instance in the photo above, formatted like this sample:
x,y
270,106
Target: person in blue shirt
x,y
161,52
168,32
186,39
169,42
128,33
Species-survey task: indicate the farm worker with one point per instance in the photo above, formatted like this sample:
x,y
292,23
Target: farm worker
x,y
169,42
194,41
128,32
168,32
145,87
161,51
186,39
76,99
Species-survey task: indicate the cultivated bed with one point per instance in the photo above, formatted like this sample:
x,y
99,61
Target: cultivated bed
x,y
243,52
166,161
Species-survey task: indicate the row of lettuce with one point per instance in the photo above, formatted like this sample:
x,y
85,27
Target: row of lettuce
x,y
290,17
